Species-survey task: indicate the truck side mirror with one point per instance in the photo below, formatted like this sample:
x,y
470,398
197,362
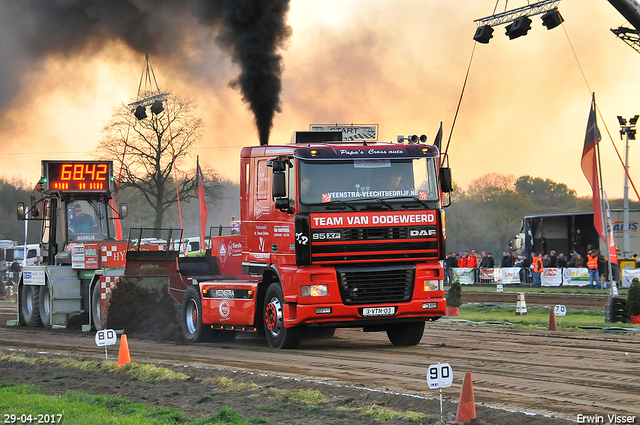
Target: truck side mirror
x,y
21,211
123,210
446,184
282,204
279,185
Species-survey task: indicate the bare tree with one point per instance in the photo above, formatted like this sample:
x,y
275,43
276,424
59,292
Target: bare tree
x,y
149,154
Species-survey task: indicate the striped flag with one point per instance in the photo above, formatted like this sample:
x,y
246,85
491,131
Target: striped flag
x,y
589,165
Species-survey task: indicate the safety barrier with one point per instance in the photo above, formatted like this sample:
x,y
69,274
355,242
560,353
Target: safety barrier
x,y
552,276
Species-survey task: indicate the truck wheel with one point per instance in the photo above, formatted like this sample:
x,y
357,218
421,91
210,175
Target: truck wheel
x,y
191,318
405,334
95,306
29,305
44,305
277,335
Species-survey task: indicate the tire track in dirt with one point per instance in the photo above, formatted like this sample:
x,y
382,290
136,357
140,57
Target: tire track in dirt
x,y
527,370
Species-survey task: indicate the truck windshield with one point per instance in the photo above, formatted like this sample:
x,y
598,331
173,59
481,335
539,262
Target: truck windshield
x,y
87,218
350,180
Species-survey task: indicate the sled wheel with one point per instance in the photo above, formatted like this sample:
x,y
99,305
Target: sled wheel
x,y
29,305
44,305
95,306
277,335
405,334
191,317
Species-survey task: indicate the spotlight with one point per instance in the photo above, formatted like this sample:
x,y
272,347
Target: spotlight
x,y
518,28
621,120
414,139
633,120
423,139
157,107
632,134
140,113
483,34
552,19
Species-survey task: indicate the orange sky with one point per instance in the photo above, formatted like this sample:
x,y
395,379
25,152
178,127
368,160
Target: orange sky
x,y
397,63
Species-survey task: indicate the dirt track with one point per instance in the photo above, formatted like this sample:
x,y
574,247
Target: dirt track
x,y
563,374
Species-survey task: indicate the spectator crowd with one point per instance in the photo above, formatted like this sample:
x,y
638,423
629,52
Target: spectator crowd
x,y
594,261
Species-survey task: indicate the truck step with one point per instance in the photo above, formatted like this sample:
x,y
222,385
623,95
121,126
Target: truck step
x,y
66,305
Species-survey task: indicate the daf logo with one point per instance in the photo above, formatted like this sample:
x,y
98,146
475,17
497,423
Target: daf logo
x,y
422,232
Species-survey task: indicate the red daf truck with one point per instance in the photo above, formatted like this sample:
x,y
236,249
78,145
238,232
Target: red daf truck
x,y
334,233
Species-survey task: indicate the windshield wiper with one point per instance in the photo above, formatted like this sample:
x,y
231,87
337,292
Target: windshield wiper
x,y
329,205
415,198
372,198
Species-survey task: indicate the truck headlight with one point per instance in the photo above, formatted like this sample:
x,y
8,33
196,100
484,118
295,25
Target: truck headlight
x,y
314,290
433,285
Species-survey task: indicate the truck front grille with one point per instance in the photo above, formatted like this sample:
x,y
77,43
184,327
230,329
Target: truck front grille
x,y
379,285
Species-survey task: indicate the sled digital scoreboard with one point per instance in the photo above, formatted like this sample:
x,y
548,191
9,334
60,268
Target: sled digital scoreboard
x,y
77,176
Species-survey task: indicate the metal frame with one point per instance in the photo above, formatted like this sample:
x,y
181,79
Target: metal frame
x,y
629,36
511,15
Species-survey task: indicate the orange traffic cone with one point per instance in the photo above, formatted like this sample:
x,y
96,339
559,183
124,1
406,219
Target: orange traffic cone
x,y
552,320
123,355
467,405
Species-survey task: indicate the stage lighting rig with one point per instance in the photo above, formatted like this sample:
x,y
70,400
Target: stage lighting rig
x,y
518,22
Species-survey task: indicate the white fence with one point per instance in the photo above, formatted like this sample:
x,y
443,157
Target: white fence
x,y
552,276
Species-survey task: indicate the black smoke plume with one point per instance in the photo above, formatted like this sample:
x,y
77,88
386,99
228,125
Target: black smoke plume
x,y
251,31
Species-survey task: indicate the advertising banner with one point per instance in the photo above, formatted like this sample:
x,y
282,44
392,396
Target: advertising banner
x,y
628,275
510,275
551,276
576,276
465,275
487,275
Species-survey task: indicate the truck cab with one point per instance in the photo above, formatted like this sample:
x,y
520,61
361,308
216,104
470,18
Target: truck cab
x,y
336,233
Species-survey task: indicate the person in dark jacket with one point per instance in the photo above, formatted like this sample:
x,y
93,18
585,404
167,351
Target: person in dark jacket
x,y
506,259
562,260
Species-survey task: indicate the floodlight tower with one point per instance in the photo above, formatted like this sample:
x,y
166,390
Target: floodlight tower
x,y
629,133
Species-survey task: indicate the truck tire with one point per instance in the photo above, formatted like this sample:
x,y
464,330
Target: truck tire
x,y
191,318
95,306
30,305
44,305
277,335
405,334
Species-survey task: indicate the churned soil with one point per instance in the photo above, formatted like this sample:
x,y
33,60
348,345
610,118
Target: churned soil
x,y
519,376
270,399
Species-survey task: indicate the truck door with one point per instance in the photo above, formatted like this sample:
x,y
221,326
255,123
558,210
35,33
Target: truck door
x,y
259,237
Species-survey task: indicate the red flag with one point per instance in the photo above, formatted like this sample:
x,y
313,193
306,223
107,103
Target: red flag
x,y
203,204
438,140
589,166
112,201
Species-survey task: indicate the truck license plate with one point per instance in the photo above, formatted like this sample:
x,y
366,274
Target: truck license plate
x,y
379,311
